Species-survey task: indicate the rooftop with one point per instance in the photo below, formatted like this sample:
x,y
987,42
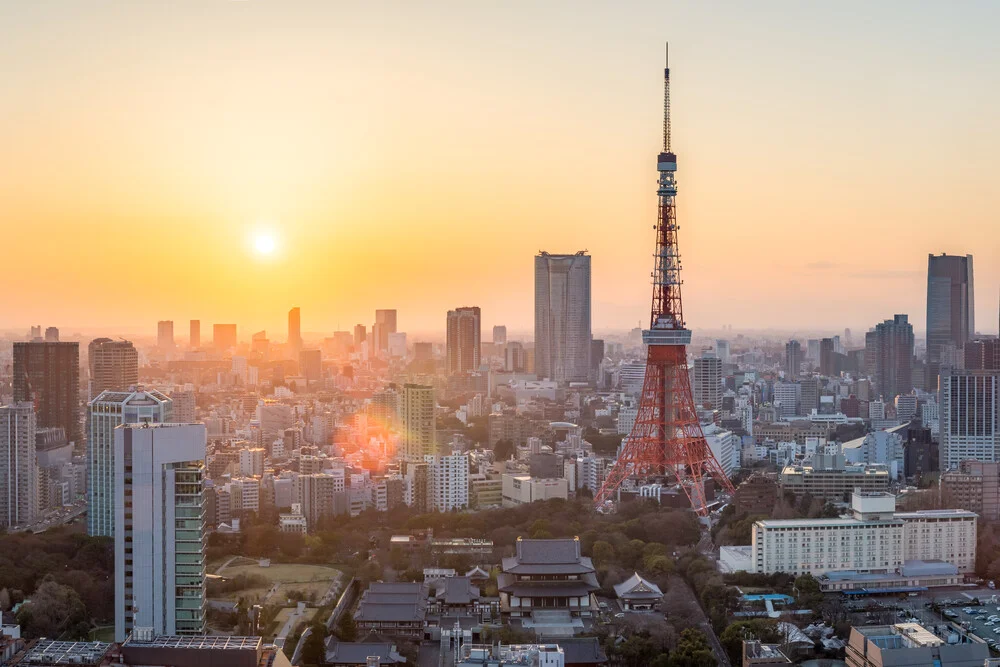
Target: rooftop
x,y
217,642
50,652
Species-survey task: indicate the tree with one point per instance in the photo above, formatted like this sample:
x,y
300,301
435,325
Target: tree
x,y
53,609
692,651
603,553
347,629
503,450
807,589
314,648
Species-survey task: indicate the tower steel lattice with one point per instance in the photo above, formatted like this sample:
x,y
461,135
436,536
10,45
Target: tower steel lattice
x,y
667,438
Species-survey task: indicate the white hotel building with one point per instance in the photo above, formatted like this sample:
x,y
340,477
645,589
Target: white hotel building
x,y
875,539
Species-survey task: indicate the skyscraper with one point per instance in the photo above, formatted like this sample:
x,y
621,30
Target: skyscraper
x,y
18,473
48,375
889,357
311,365
983,354
793,358
499,334
950,308
106,412
385,324
51,335
562,317
970,416
114,364
359,336
416,415
463,339
224,337
194,339
160,529
828,357
294,332
707,380
165,334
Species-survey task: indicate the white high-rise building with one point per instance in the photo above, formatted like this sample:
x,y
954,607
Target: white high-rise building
x,y
590,473
725,446
786,398
626,417
106,412
562,317
970,416
706,381
159,529
252,462
448,479
18,472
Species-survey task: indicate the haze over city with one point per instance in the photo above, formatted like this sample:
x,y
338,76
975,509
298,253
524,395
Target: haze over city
x,y
411,156
464,334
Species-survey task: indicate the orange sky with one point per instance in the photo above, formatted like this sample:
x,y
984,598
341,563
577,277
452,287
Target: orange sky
x,y
417,155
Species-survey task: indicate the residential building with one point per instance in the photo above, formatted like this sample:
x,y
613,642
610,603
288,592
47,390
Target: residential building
x,y
449,481
48,375
545,576
251,462
969,417
874,539
562,317
951,317
417,421
706,382
828,358
107,412
974,486
114,365
889,357
499,334
485,493
160,529
463,344
18,472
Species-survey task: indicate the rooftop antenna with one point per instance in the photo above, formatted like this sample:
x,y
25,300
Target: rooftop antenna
x,y
666,99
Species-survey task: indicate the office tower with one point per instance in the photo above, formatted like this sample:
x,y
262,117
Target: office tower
x,y
793,358
812,351
499,334
35,333
194,339
514,358
562,317
311,365
722,349
827,357
463,348
950,309
160,529
48,375
808,396
889,357
983,354
294,332
260,345
448,482
786,399
359,335
106,412
51,335
385,324
707,380
18,474
224,337
165,335
416,414
114,364
969,418
596,357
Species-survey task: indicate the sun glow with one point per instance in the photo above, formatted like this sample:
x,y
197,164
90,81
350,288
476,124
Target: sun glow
x,y
264,244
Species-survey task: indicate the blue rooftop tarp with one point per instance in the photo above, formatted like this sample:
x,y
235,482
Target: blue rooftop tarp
x,y
884,591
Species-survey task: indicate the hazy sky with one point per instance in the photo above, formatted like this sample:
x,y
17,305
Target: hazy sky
x,y
416,155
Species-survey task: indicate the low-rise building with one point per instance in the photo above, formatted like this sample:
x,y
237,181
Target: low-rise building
x,y
974,486
522,489
910,644
833,481
547,575
638,594
360,654
394,609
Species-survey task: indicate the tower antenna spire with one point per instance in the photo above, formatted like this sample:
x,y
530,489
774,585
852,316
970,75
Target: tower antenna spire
x,y
666,99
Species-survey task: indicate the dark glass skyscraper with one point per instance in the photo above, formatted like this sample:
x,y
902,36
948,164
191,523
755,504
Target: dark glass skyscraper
x,y
951,318
48,375
889,357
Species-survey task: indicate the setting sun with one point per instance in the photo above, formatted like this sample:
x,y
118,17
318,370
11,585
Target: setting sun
x,y
264,244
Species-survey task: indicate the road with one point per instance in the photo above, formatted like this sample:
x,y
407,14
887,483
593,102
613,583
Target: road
x,y
704,625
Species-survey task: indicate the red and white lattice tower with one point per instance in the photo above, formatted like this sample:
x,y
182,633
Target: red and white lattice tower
x,y
667,438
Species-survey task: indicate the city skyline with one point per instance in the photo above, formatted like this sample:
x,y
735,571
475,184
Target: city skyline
x,y
285,219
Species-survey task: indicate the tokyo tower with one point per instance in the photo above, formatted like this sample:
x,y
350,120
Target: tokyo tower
x,y
667,438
